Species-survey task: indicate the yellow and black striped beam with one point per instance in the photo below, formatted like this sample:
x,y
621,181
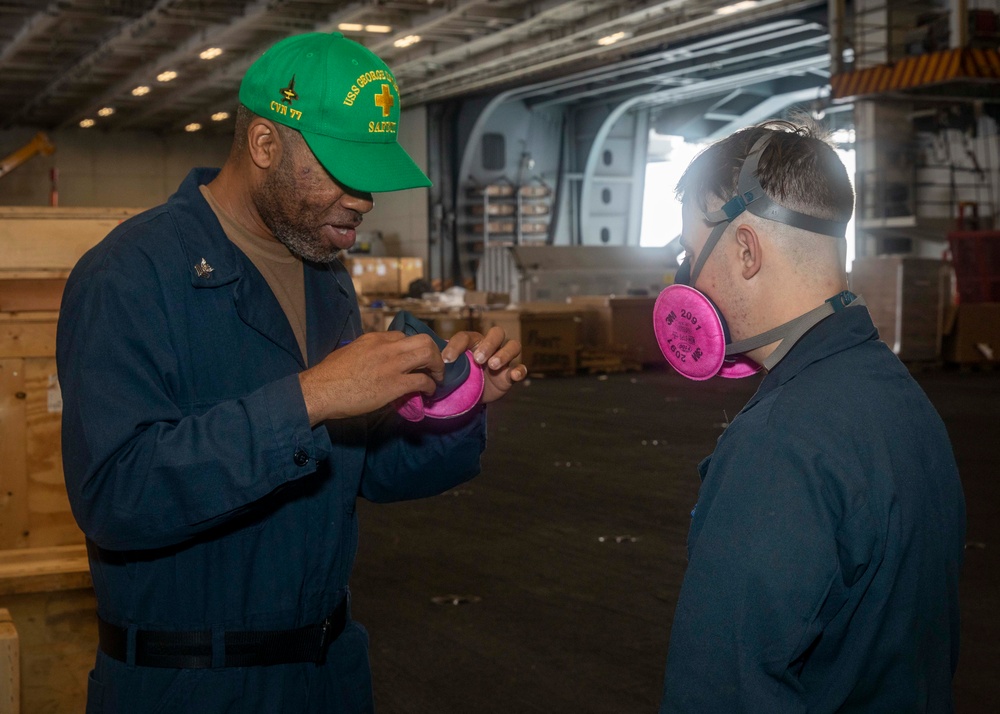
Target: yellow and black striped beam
x,y
934,68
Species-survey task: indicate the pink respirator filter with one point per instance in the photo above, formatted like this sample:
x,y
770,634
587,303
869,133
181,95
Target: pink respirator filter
x,y
419,406
691,337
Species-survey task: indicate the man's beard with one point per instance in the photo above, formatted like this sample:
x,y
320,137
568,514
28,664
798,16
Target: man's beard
x,y
272,200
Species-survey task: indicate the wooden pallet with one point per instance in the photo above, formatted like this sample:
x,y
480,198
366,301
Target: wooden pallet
x,y
606,361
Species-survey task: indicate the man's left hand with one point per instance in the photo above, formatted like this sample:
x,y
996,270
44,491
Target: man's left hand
x,y
495,354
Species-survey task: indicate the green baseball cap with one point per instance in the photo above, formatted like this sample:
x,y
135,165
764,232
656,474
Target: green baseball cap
x,y
343,100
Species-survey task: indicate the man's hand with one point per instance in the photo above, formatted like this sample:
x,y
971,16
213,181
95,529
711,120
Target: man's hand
x,y
371,372
494,355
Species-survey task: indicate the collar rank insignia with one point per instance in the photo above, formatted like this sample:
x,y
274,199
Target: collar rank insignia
x,y
288,94
203,269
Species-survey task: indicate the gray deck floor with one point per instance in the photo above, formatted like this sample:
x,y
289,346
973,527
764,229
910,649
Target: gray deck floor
x,y
570,548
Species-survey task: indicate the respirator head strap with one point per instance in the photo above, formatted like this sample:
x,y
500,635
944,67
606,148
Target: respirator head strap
x,y
792,331
749,191
766,208
760,204
713,239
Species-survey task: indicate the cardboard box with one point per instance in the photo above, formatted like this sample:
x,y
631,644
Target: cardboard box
x,y
974,337
549,334
623,324
373,319
410,269
482,298
445,321
906,297
374,275
380,275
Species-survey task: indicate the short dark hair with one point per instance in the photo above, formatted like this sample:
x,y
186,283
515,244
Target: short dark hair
x,y
243,118
798,168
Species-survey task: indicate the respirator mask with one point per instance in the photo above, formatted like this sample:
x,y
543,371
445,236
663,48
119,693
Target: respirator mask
x,y
690,329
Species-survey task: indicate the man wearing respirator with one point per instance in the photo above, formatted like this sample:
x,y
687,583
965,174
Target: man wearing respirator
x,y
825,546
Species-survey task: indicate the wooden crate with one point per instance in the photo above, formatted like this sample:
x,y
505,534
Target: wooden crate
x,y
52,612
45,579
34,239
38,248
34,508
40,245
10,665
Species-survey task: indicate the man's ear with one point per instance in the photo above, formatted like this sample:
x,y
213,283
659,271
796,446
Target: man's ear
x,y
750,251
263,143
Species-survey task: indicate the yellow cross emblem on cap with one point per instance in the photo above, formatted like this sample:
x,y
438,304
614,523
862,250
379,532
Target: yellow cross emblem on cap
x,y
384,100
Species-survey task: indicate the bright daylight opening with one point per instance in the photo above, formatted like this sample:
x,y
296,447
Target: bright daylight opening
x,y
661,211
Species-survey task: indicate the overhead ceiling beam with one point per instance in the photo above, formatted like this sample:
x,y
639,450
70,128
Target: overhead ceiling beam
x,y
531,21
689,63
85,64
651,63
768,108
473,53
515,67
734,81
38,25
253,15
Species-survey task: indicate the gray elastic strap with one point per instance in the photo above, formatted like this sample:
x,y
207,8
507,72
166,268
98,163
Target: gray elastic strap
x,y
713,238
751,197
735,206
766,208
789,333
763,206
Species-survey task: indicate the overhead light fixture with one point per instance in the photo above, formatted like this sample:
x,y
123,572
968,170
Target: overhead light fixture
x,y
87,123
166,76
406,41
211,53
193,126
140,91
738,7
105,111
381,29
220,116
350,27
611,39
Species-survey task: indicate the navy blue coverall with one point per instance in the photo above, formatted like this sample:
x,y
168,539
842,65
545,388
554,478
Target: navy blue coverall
x,y
825,547
207,500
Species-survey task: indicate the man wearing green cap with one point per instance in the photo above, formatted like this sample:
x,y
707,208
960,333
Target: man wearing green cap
x,y
223,409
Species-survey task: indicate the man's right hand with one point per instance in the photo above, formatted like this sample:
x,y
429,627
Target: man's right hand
x,y
372,371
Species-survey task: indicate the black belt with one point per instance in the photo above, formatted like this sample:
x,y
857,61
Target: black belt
x,y
249,648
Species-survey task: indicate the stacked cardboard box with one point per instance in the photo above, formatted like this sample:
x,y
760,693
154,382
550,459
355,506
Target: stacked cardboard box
x,y
906,297
972,334
549,334
383,276
620,324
